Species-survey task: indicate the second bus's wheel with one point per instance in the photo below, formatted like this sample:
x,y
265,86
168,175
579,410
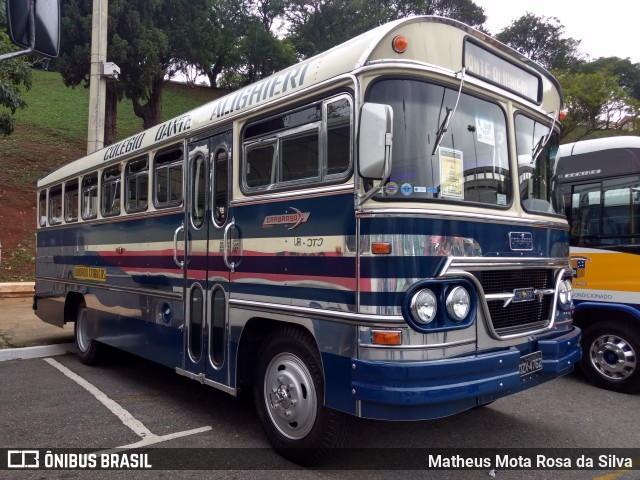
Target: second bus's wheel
x,y
88,349
289,393
610,357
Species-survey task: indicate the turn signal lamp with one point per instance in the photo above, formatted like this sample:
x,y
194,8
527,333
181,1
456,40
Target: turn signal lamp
x,y
387,337
399,43
381,248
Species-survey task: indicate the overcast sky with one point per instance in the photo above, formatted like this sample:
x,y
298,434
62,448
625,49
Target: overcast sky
x,y
605,29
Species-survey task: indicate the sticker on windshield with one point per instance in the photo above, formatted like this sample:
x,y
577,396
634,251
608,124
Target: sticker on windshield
x,y
391,188
485,132
406,189
451,174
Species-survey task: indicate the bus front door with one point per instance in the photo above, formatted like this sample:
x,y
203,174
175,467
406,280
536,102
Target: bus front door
x,y
205,353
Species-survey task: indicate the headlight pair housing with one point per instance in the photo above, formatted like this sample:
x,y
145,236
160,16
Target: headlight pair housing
x,y
439,305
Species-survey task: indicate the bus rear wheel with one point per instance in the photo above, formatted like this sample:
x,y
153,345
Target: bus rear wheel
x,y
610,357
88,349
289,393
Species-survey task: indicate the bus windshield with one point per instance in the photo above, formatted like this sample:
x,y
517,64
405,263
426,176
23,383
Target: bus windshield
x,y
470,164
537,161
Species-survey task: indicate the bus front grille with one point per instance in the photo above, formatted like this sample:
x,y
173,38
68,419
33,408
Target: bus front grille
x,y
513,318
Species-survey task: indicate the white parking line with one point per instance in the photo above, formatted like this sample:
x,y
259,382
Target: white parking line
x,y
148,438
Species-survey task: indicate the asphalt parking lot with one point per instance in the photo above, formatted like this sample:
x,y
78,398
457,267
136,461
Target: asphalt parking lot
x,y
53,402
59,403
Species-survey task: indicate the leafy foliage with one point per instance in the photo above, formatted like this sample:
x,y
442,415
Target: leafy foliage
x,y
13,73
540,39
318,25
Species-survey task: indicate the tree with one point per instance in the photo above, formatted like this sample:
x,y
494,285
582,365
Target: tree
x,y
594,102
540,39
13,73
318,25
148,40
259,55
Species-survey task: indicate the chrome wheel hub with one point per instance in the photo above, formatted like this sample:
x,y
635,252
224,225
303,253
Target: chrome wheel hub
x,y
613,357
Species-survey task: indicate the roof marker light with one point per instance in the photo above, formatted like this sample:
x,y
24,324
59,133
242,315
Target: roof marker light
x,y
399,43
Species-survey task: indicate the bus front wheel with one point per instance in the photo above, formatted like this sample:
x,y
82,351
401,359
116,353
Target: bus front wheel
x,y
87,348
610,357
289,393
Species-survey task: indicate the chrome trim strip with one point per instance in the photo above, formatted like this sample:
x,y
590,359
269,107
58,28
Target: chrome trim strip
x,y
142,291
315,313
478,263
199,377
418,347
294,194
435,214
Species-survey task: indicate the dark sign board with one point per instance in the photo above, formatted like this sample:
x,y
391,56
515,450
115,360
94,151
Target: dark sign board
x,y
488,66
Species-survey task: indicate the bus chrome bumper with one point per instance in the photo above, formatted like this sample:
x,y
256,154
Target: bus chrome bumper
x,y
427,390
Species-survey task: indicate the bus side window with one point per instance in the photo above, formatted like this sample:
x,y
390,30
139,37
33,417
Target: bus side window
x,y
259,169
300,158
71,201
55,205
42,209
338,121
90,196
110,188
168,178
137,185
221,188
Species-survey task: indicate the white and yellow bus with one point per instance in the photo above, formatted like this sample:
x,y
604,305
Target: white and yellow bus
x,y
376,231
601,183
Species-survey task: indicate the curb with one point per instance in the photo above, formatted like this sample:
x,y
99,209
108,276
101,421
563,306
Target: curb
x,y
17,289
36,352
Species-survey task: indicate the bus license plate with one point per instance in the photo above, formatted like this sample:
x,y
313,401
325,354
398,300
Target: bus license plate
x,y
530,363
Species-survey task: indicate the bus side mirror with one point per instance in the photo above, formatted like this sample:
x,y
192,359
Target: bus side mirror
x,y
375,139
34,25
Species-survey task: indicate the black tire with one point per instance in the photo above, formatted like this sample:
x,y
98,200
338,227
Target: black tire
x,y
89,350
611,357
289,392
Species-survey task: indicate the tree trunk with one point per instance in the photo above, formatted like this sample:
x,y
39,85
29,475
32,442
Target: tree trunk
x,y
150,112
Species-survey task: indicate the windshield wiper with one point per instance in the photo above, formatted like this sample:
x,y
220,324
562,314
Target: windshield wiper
x,y
449,115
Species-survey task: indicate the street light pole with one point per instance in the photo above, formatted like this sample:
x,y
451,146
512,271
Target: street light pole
x,y
97,82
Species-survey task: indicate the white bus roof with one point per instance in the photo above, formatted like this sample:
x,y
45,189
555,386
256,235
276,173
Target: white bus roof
x,y
598,144
425,34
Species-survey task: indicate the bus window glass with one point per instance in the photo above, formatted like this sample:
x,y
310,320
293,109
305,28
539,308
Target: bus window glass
x,y
71,201
259,167
199,190
137,185
537,163
168,178
90,196
42,208
221,188
110,198
300,157
471,163
338,136
55,205
606,213
218,320
196,323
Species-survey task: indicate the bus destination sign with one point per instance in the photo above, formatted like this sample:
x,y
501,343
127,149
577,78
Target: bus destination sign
x,y
494,69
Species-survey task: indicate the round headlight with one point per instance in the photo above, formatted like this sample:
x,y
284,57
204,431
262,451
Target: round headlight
x,y
424,306
565,292
458,303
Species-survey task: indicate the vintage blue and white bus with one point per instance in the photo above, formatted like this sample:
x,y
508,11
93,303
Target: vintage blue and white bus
x,y
376,231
